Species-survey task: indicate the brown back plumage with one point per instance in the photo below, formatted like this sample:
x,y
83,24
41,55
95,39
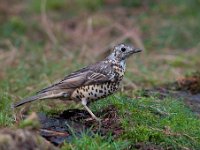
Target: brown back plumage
x,y
93,74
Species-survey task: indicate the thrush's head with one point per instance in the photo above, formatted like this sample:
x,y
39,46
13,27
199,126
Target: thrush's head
x,y
122,51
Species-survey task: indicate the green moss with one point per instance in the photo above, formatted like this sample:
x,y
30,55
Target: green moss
x,y
95,142
166,121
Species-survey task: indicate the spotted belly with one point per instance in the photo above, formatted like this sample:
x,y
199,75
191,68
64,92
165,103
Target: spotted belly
x,y
94,92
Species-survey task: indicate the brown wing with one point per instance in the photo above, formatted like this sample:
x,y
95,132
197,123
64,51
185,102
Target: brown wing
x,y
94,74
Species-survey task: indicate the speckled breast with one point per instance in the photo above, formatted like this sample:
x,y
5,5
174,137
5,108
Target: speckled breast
x,y
96,91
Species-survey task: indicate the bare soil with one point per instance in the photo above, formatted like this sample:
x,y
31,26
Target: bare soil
x,y
63,127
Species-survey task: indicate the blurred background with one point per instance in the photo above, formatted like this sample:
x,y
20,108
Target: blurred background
x,y
43,40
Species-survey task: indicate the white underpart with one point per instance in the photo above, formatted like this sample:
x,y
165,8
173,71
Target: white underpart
x,y
123,64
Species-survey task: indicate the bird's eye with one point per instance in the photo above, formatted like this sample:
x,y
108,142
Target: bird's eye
x,y
123,49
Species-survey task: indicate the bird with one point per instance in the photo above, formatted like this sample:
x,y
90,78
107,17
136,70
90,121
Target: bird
x,y
90,83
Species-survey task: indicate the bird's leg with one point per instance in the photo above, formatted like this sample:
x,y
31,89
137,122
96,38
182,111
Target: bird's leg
x,y
84,103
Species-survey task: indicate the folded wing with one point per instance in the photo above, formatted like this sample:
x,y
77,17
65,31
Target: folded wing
x,y
94,74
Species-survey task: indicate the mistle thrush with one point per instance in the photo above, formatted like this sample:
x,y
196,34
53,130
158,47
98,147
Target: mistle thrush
x,y
91,83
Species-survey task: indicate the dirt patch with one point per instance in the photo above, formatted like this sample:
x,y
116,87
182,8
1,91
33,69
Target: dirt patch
x,y
73,122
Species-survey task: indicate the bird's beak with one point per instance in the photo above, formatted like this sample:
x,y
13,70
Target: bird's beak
x,y
137,50
132,51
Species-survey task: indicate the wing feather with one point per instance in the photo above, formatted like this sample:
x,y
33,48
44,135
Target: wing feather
x,y
90,75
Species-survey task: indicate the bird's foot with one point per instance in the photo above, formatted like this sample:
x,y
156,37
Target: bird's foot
x,y
99,123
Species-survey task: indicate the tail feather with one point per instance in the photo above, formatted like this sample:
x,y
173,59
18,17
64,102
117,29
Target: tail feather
x,y
27,100
38,97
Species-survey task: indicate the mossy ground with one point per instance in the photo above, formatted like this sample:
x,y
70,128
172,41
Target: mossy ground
x,y
34,53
